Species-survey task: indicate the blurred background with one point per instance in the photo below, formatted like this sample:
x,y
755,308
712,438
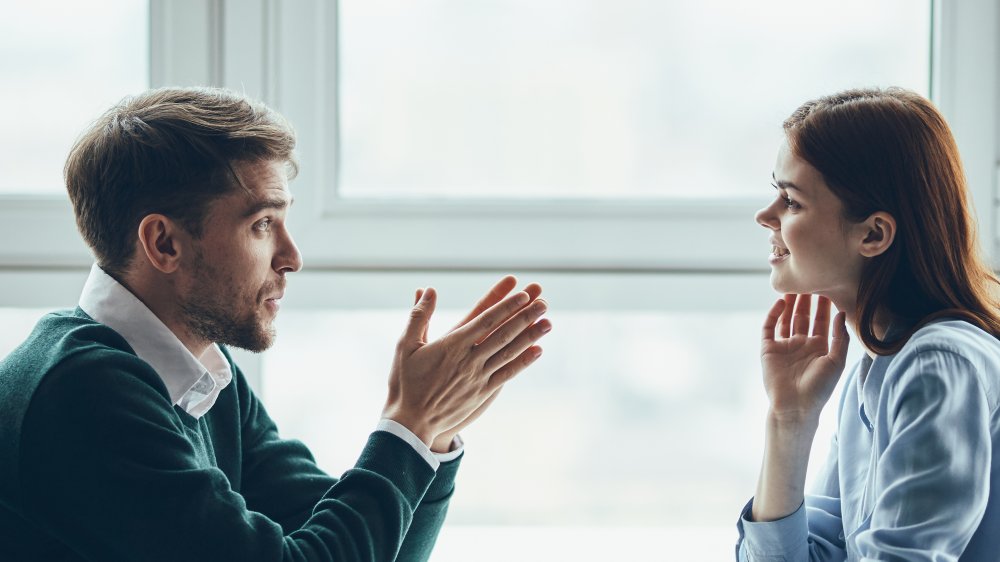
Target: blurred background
x,y
614,152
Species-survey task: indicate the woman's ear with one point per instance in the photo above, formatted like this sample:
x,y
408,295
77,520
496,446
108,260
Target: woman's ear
x,y
161,240
879,230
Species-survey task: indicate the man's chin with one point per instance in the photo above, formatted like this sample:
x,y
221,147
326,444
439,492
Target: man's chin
x,y
260,340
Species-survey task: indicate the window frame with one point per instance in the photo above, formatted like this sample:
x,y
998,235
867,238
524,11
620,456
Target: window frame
x,y
281,52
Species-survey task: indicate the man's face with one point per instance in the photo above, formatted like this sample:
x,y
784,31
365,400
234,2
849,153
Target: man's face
x,y
234,277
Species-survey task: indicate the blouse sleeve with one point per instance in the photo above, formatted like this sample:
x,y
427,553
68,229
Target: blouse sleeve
x,y
812,532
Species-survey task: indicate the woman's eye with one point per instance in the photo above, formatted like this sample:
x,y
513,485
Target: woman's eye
x,y
788,201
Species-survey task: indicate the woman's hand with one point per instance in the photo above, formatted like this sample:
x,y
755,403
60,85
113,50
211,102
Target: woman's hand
x,y
801,370
800,373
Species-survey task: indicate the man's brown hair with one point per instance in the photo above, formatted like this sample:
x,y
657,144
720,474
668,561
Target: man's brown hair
x,y
169,151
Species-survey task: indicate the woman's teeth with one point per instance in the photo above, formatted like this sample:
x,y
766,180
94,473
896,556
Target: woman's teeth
x,y
779,251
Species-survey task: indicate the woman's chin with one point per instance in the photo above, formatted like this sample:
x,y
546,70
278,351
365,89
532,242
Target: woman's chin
x,y
780,284
785,286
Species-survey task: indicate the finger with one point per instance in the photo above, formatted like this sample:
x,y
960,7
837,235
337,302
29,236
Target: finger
x,y
483,325
515,348
800,319
785,322
821,323
420,293
511,329
510,370
493,296
841,340
534,290
420,317
773,315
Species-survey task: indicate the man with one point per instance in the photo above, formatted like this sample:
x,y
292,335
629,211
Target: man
x,y
126,431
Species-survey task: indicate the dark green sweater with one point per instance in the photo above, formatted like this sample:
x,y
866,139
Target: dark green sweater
x,y
96,464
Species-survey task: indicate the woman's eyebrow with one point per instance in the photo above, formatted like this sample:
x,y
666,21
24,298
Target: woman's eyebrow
x,y
786,184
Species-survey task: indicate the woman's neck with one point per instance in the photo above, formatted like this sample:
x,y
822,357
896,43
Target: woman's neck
x,y
880,326
850,307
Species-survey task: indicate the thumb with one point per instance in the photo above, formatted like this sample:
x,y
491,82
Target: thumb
x,y
420,318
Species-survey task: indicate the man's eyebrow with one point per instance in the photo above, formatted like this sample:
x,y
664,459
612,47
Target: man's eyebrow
x,y
785,184
268,203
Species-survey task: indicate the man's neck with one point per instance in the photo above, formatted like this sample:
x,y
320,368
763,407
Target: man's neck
x,y
160,298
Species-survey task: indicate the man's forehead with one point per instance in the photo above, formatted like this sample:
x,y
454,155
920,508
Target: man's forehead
x,y
262,185
253,202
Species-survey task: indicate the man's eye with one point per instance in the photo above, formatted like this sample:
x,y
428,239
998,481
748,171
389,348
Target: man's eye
x,y
262,225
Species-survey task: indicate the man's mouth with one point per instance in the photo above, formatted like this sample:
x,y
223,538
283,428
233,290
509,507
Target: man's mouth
x,y
273,304
779,251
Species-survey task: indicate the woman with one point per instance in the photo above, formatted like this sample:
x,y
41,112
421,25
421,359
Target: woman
x,y
872,215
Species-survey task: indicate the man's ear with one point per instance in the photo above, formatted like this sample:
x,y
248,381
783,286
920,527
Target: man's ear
x,y
879,230
162,241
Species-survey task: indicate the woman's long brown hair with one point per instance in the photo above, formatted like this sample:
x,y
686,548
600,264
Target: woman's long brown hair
x,y
891,150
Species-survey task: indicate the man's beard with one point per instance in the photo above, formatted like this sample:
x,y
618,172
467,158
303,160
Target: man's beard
x,y
209,315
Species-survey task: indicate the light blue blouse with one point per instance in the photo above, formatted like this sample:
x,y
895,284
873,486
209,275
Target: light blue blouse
x,y
914,471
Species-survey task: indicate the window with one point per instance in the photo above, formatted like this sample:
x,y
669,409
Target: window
x,y
560,99
608,202
63,63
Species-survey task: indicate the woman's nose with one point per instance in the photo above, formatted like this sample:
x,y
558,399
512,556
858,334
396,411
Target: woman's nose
x,y
767,218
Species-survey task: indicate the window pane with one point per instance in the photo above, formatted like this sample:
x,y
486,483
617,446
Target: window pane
x,y
651,421
599,99
62,64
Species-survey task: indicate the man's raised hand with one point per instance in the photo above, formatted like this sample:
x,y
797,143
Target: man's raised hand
x,y
439,387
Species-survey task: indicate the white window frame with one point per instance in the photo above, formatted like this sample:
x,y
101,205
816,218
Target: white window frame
x,y
665,235
284,53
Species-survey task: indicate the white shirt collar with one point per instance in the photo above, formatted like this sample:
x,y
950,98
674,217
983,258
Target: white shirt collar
x,y
194,383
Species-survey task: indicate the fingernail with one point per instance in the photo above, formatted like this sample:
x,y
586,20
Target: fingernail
x,y
537,354
540,306
546,328
522,298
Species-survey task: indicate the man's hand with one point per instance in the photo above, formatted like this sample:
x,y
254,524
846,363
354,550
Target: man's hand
x,y
500,290
438,388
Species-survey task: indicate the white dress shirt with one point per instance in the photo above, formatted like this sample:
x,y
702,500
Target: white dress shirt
x,y
194,383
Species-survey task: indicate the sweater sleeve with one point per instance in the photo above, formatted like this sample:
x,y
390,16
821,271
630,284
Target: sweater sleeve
x,y
108,470
429,517
282,480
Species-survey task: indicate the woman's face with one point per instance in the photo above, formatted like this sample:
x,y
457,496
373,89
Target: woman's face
x,y
814,250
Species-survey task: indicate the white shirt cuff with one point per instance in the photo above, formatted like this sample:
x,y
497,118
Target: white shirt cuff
x,y
419,446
